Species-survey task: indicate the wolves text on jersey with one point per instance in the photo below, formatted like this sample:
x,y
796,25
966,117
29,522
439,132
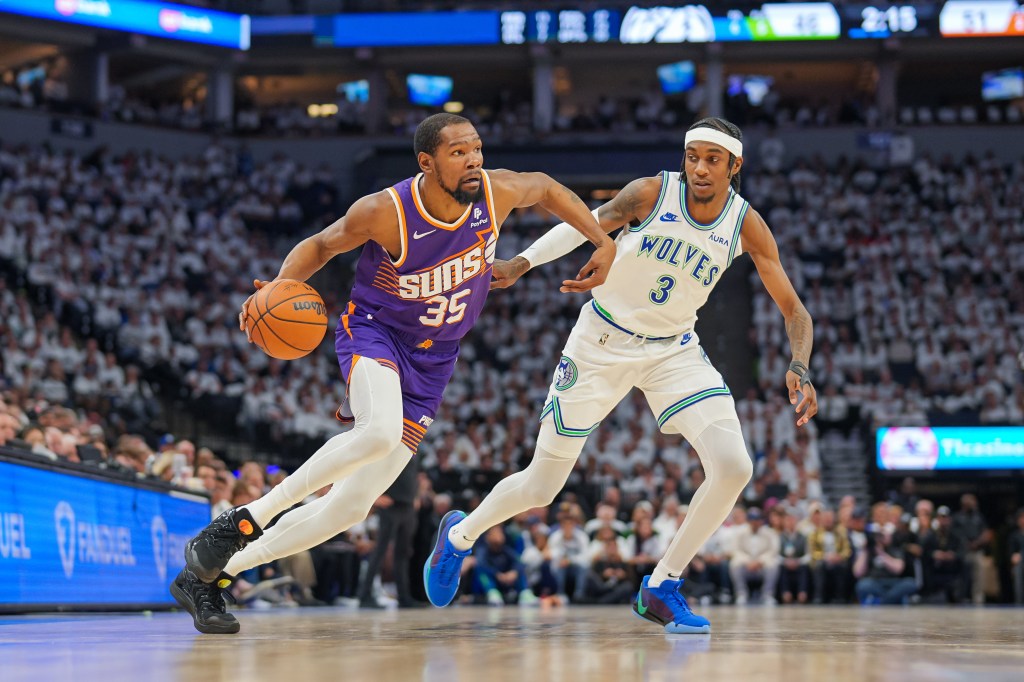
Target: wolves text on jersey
x,y
681,254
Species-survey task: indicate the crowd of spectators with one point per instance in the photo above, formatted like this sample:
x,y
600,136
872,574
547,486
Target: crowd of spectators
x,y
121,283
505,117
913,277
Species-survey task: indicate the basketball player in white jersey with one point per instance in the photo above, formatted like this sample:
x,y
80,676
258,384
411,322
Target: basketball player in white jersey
x,y
682,230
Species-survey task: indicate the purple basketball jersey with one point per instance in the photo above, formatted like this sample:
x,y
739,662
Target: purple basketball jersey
x,y
437,288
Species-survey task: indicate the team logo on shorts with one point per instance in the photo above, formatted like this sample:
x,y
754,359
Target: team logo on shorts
x,y
704,355
566,374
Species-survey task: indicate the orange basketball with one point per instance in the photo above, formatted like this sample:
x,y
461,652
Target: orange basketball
x,y
287,319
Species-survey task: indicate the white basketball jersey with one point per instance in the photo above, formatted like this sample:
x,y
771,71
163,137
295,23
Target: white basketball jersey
x,y
667,266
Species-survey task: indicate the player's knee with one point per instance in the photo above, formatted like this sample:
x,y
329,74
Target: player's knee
x,y
383,432
734,468
723,441
738,467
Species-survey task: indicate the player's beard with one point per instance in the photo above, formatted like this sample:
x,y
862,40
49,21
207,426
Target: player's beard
x,y
463,197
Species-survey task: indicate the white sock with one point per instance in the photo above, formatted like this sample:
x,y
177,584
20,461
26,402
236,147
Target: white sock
x,y
460,541
660,575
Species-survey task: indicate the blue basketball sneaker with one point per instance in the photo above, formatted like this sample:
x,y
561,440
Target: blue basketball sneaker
x,y
666,605
442,571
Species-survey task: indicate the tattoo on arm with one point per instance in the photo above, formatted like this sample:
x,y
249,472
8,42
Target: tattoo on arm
x,y
519,266
800,331
622,208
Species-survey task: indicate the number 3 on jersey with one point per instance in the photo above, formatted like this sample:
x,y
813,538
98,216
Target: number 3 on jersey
x,y
444,305
661,294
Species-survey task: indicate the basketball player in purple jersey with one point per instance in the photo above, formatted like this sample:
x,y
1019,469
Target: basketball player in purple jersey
x,y
420,285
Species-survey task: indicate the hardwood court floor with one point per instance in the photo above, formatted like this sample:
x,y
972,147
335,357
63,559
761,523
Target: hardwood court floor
x,y
833,644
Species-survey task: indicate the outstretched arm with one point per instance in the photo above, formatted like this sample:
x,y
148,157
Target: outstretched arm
x,y
760,244
519,190
634,202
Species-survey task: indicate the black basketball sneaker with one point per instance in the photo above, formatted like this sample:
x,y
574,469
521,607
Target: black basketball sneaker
x,y
208,553
205,602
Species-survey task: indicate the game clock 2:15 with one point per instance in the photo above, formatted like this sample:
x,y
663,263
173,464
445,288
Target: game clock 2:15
x,y
885,20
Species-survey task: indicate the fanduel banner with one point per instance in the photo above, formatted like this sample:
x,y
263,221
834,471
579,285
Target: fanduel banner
x,y
953,447
67,539
161,19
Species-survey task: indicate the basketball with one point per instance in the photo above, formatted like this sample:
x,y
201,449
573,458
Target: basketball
x,y
287,319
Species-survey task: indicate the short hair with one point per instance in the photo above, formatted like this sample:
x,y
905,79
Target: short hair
x,y
722,126
428,132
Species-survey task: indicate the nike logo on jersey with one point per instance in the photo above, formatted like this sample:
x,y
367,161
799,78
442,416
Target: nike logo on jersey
x,y
417,235
670,218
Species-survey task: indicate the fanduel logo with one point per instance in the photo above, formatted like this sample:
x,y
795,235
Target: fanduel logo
x,y
13,541
90,543
165,545
64,520
158,534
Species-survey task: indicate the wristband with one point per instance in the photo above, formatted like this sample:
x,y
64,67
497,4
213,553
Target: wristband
x,y
800,369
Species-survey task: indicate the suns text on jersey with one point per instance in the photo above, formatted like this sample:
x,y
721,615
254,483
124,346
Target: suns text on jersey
x,y
449,275
680,254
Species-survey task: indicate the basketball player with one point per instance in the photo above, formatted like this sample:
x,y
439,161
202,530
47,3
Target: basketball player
x,y
682,231
420,284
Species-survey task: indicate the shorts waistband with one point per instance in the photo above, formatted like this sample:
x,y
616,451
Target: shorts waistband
x,y
643,338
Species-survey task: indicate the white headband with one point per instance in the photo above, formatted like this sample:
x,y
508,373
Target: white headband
x,y
731,144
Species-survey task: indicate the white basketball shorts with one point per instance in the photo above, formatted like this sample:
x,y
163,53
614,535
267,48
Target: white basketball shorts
x,y
602,362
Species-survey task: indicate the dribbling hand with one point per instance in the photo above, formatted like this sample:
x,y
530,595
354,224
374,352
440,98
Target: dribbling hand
x,y
243,315
808,404
595,272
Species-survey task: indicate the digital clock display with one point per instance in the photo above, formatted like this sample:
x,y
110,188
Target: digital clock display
x,y
882,20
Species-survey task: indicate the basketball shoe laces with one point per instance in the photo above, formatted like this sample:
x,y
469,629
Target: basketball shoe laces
x,y
677,604
223,537
447,567
210,598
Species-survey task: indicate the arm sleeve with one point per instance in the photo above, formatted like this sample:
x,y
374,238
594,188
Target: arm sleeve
x,y
555,243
